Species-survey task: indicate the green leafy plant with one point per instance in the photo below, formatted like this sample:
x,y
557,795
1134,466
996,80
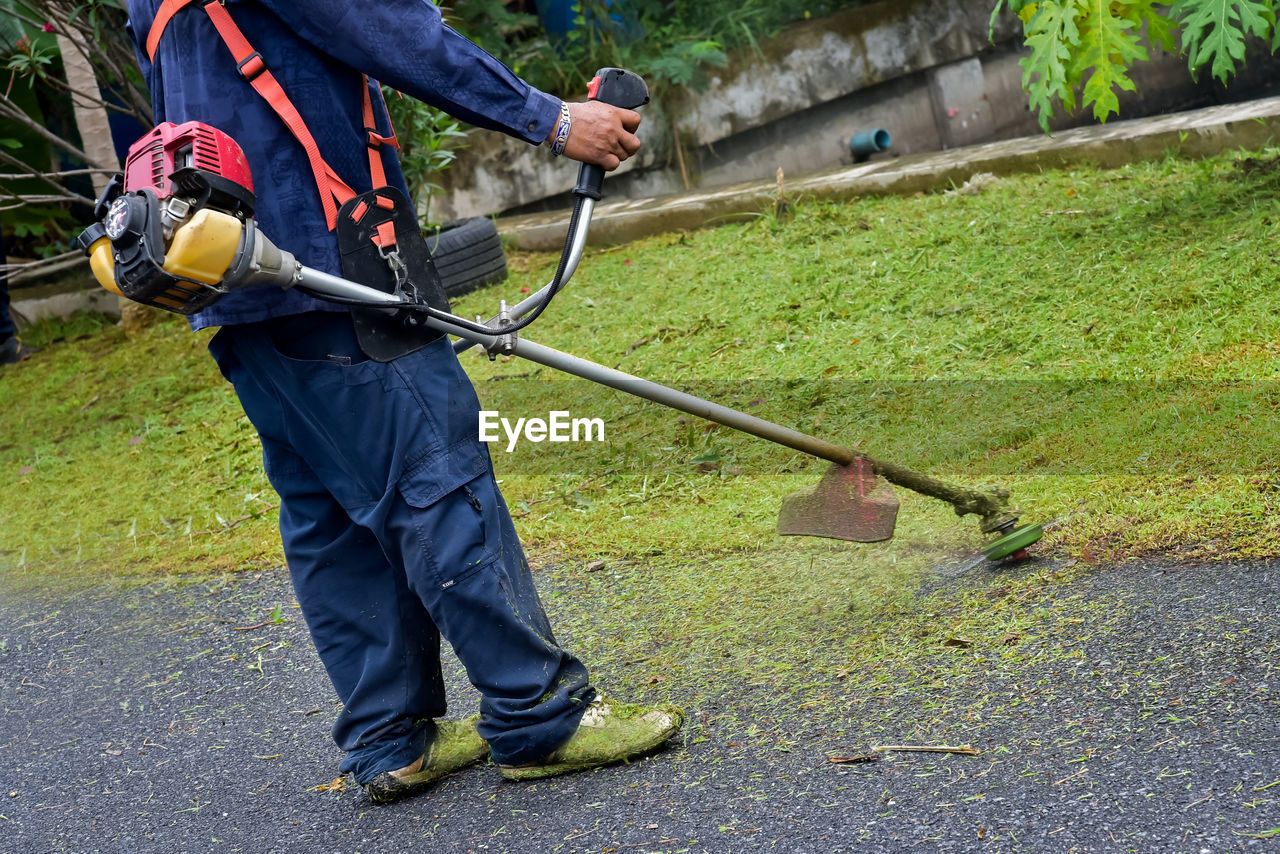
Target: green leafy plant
x,y
668,42
30,58
1081,51
489,23
45,231
658,40
683,63
429,143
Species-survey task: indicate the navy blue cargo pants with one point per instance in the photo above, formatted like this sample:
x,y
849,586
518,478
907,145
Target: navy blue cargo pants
x,y
395,534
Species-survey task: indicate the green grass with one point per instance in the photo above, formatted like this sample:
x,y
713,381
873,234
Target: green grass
x,y
126,456
1103,343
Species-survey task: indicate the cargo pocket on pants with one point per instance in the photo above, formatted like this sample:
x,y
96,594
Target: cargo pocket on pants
x,y
458,532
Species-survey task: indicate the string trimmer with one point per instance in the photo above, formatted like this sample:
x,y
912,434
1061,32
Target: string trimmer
x,y
176,231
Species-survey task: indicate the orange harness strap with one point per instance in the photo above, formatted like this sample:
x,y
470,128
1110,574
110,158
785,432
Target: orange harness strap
x,y
333,190
376,140
167,10
250,65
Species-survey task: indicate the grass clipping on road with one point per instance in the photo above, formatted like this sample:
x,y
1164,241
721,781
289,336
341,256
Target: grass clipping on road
x,y
1101,343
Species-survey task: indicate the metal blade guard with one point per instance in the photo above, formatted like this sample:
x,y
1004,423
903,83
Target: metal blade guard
x,y
849,503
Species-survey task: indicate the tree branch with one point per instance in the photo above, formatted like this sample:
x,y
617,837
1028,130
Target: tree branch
x,y
85,97
6,157
31,265
11,110
23,200
50,265
70,173
114,54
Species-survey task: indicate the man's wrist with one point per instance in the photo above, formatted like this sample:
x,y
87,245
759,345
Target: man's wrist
x,y
559,137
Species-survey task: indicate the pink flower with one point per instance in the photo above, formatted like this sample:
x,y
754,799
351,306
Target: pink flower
x,y
48,27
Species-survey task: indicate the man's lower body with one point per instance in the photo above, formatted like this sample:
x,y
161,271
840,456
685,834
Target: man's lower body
x,y
396,534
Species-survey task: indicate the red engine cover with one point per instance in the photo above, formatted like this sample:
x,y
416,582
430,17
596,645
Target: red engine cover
x,y
169,147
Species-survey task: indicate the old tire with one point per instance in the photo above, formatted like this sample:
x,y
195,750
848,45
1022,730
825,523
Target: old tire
x,y
467,254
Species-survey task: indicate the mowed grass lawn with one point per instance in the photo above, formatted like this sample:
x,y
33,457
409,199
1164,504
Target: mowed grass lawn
x,y
1101,343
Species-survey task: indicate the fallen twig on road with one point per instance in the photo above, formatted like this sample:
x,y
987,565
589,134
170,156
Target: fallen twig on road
x,y
1194,803
851,760
1072,777
929,748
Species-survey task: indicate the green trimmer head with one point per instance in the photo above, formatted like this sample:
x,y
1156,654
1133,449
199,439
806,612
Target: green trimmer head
x,y
1013,544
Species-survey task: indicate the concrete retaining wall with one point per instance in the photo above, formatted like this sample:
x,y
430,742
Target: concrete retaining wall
x,y
811,64
1197,133
77,294
922,69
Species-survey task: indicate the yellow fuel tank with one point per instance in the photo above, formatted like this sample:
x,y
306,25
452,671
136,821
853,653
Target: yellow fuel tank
x,y
204,247
103,265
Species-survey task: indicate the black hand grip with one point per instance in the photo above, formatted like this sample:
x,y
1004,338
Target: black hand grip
x,y
618,87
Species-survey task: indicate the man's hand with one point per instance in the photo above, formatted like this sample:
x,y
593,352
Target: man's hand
x,y
601,134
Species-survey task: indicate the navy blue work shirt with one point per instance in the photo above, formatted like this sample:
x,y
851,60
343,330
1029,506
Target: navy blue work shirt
x,y
318,51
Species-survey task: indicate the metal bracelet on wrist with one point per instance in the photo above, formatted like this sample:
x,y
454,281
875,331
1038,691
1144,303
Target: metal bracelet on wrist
x,y
562,130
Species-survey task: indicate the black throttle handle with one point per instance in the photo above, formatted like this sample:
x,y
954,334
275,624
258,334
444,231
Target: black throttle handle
x,y
618,87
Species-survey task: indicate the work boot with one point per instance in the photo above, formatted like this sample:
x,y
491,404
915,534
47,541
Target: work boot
x,y
12,351
455,746
609,732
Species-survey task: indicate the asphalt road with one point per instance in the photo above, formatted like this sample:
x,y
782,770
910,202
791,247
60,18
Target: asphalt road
x,y
185,718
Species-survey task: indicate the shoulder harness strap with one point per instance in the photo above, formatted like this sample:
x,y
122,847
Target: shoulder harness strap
x,y
333,190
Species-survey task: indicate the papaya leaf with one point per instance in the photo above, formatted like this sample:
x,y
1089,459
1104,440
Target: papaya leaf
x,y
991,25
1109,46
1051,34
1160,28
1213,31
1024,9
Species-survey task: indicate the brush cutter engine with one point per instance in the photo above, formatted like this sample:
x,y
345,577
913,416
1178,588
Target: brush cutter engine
x,y
176,230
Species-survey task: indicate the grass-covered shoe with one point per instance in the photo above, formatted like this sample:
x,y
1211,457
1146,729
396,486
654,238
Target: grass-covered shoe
x,y
609,732
456,745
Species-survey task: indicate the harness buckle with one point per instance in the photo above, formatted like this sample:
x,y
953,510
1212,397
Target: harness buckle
x,y
251,74
377,140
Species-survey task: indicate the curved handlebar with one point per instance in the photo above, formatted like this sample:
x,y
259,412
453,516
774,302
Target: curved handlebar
x,y
615,86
